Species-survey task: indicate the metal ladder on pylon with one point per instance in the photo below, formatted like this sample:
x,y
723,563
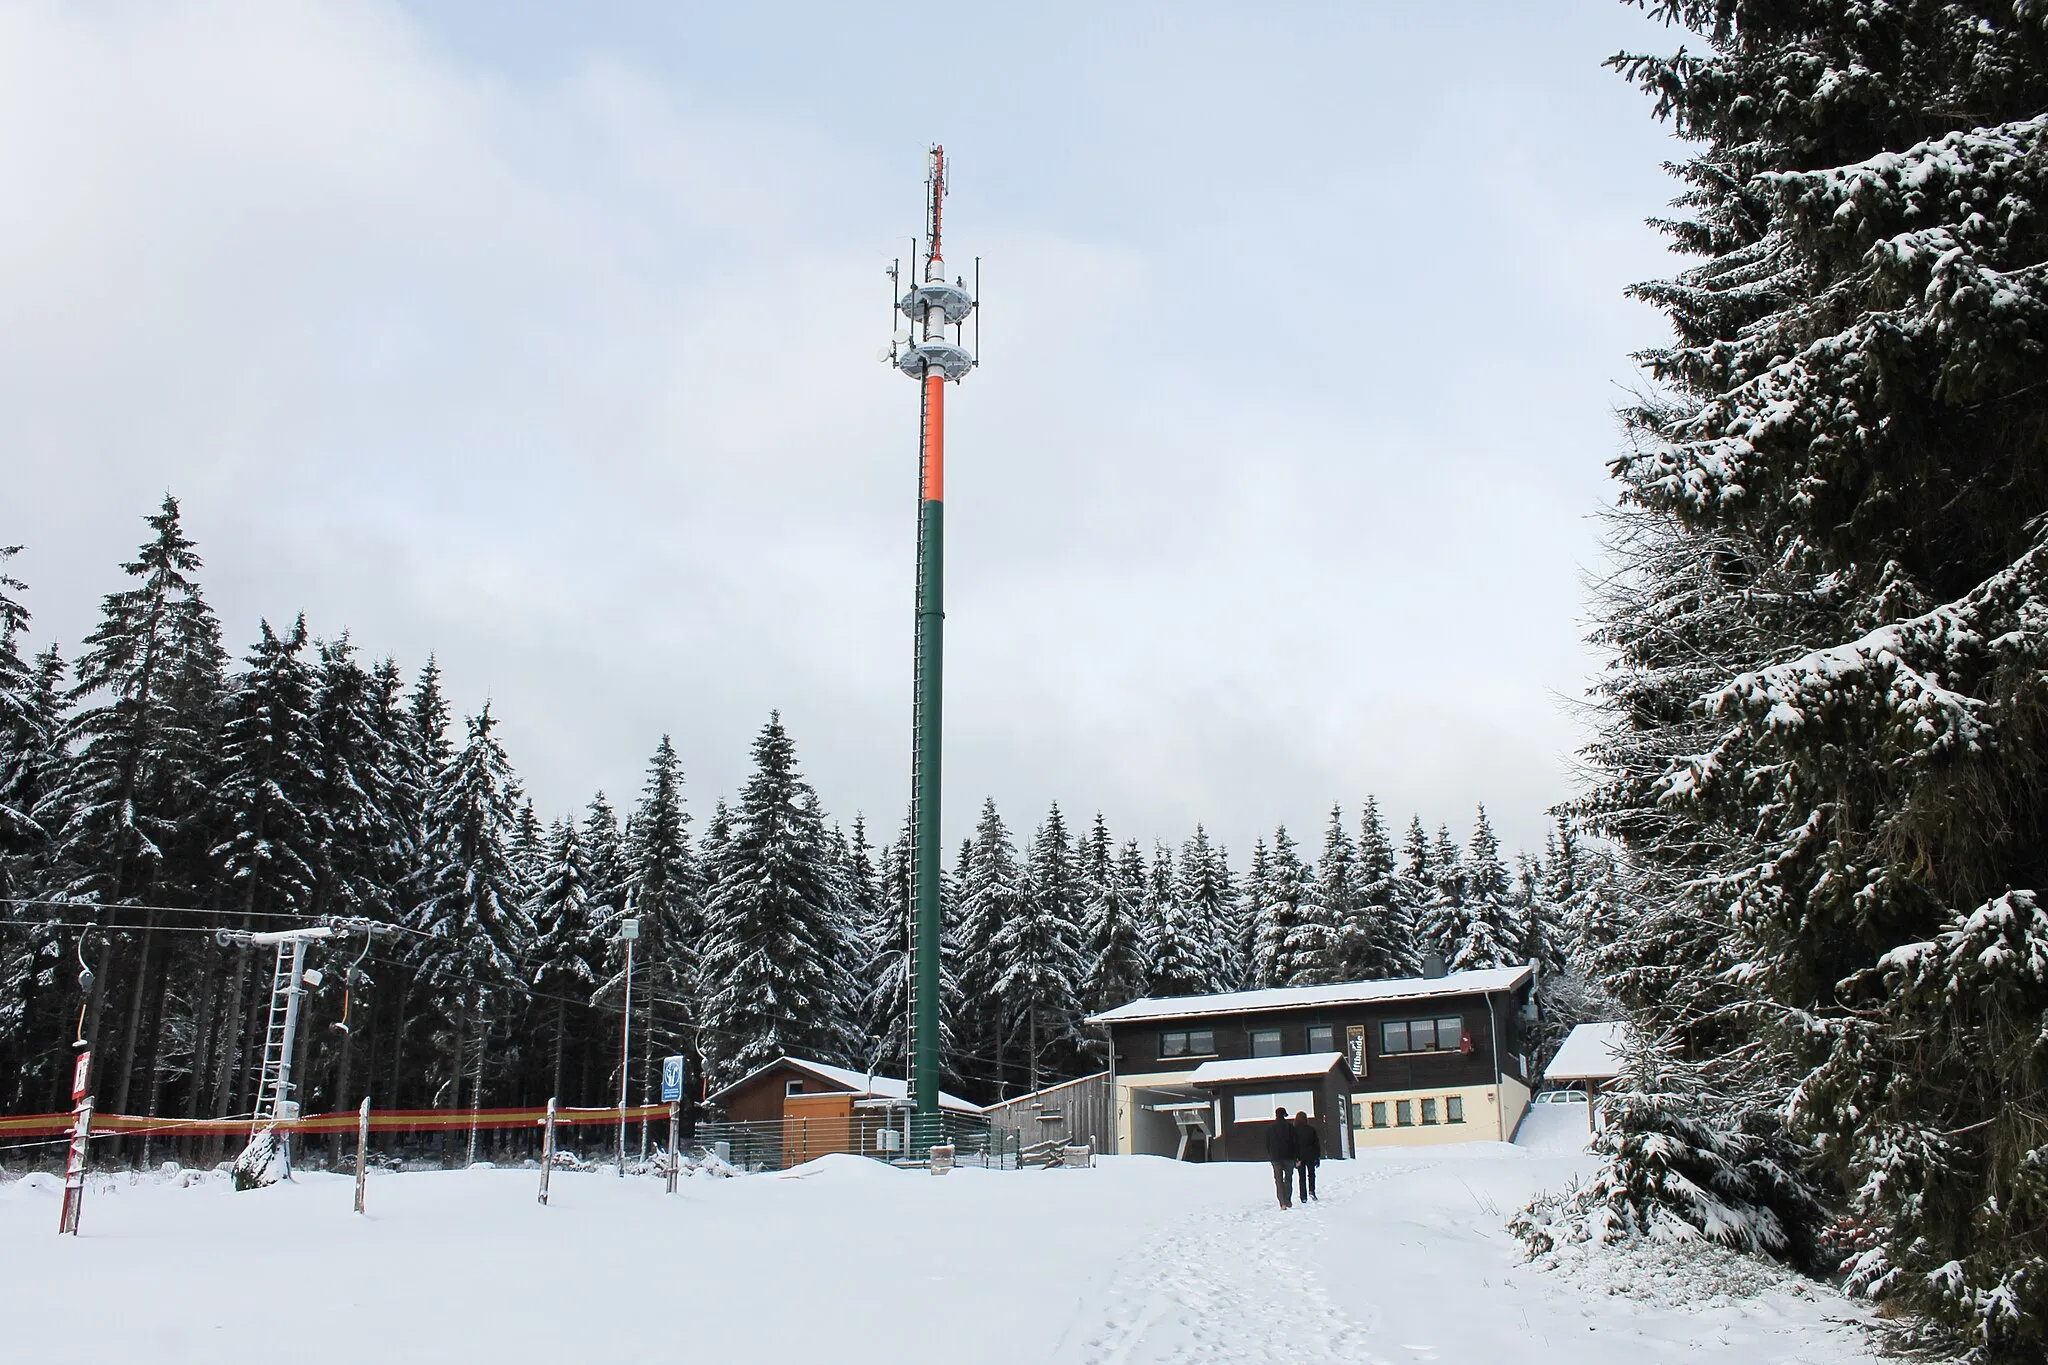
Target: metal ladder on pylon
x,y
277,1036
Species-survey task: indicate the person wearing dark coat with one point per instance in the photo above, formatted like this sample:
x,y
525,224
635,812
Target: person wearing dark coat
x,y
1308,1154
1280,1150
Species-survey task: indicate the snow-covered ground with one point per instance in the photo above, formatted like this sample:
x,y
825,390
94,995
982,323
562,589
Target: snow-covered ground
x,y
1138,1260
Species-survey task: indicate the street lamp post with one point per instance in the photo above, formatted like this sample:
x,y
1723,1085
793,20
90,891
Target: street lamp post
x,y
629,934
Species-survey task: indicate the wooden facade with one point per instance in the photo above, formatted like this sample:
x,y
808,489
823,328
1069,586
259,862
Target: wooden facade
x,y
795,1110
1074,1111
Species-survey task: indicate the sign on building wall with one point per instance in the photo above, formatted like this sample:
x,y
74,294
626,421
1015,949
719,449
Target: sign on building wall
x,y
1354,1049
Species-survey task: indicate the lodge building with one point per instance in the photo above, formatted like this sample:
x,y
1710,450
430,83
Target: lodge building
x,y
1433,1059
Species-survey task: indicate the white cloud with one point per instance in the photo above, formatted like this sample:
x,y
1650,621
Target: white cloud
x,y
1272,492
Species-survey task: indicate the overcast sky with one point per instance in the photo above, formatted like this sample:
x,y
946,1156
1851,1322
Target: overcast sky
x,y
543,337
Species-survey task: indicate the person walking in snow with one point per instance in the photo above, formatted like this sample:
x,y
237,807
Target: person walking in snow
x,y
1308,1154
1280,1151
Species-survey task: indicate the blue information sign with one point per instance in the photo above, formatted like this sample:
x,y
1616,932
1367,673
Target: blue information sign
x,y
673,1069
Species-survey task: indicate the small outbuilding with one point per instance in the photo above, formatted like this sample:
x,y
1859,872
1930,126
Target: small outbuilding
x,y
1589,1059
793,1110
1248,1090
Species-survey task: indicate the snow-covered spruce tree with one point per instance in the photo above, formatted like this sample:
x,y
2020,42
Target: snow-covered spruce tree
x,y
1313,951
1416,882
21,732
562,972
1378,941
604,845
959,1062
473,919
1174,943
885,973
527,849
1682,1161
148,684
1113,882
991,897
1289,899
413,746
885,943
661,874
260,813
1443,910
1552,895
1532,912
1039,950
351,807
1848,412
1252,891
268,781
1477,925
1202,887
141,738
877,947
30,713
770,973
349,813
34,763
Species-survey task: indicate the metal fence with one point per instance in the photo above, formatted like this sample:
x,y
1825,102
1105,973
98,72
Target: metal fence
x,y
411,1139
777,1144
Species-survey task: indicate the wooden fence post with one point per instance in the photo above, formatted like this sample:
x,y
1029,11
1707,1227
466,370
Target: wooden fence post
x,y
547,1151
362,1151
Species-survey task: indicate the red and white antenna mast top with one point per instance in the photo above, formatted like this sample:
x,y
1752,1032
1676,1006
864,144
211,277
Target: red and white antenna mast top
x,y
937,309
935,198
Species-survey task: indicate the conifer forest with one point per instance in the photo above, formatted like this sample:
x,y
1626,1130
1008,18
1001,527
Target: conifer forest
x,y
1803,859
158,788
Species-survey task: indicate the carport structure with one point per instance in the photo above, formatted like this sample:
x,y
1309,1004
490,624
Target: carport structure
x,y
1590,1059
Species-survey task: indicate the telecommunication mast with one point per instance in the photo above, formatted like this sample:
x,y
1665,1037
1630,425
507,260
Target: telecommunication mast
x,y
930,351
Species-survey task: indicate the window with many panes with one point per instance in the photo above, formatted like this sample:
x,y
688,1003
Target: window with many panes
x,y
1429,1110
1379,1113
1454,1109
1197,1042
1265,1042
1322,1038
1422,1035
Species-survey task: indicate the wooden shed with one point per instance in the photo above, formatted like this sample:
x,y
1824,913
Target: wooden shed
x,y
794,1110
1072,1111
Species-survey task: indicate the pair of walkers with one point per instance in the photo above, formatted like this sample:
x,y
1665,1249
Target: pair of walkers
x,y
1295,1149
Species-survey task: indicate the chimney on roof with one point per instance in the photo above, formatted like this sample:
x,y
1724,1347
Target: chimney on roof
x,y
1433,965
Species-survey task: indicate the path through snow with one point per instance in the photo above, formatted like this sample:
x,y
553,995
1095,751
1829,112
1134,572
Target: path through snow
x,y
1139,1262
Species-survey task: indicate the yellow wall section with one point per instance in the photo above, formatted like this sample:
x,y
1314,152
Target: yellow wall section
x,y
1484,1117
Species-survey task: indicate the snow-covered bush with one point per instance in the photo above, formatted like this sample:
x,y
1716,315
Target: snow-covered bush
x,y
1681,1162
261,1162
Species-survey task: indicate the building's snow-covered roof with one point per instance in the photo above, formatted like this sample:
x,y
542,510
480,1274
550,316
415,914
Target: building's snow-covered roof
x,y
1493,979
1591,1052
1266,1068
859,1082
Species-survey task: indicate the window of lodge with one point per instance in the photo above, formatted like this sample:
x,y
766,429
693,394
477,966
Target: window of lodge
x,y
1422,1035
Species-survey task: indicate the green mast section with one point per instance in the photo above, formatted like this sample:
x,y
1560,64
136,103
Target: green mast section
x,y
930,647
